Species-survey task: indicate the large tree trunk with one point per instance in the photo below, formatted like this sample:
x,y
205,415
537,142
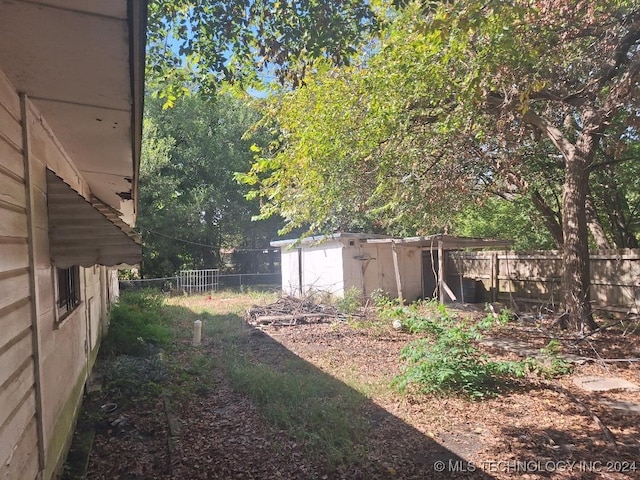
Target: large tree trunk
x,y
576,277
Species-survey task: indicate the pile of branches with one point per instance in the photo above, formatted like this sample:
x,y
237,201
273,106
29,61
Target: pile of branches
x,y
289,311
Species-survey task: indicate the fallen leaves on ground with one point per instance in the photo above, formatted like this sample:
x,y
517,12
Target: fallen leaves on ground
x,y
534,432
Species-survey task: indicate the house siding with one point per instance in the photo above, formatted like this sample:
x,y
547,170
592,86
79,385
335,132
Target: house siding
x,y
40,358
18,427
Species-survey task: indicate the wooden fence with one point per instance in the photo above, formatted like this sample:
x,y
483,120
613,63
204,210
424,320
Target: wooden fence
x,y
536,277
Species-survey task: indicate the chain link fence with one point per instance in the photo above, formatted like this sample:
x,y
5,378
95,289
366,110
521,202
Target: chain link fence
x,y
225,281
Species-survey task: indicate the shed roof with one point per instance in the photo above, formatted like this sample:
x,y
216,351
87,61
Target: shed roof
x,y
449,242
319,239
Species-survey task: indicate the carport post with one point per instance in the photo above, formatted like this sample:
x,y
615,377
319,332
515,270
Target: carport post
x,y
396,267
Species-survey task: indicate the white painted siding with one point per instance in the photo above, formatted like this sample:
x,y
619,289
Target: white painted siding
x,y
290,267
322,269
18,438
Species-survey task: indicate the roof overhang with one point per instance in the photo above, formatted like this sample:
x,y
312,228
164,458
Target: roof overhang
x,y
320,239
448,242
81,62
86,232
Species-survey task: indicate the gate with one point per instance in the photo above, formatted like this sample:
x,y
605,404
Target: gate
x,y
198,281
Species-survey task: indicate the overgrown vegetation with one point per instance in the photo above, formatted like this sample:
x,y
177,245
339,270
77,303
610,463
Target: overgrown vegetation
x,y
350,302
446,359
137,323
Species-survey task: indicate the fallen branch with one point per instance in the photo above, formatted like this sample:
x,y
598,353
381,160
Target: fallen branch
x,y
610,360
271,319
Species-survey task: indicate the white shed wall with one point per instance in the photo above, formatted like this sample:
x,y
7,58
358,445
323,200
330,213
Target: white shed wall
x,y
322,269
290,267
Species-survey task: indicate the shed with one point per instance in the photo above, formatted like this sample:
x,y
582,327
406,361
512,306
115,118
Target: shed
x,y
406,268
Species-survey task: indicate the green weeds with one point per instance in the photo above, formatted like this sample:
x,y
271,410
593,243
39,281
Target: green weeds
x,y
137,321
447,359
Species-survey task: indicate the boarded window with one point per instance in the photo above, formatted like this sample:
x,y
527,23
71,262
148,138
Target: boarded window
x,y
68,290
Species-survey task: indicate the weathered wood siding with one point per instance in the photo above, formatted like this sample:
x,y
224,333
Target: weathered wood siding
x,y
43,363
536,277
65,348
18,427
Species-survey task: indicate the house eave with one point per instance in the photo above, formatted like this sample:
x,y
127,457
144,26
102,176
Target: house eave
x,y
81,63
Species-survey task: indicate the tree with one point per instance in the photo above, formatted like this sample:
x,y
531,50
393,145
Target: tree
x,y
461,99
198,44
190,205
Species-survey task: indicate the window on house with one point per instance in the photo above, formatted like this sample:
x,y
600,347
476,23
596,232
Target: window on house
x,y
68,289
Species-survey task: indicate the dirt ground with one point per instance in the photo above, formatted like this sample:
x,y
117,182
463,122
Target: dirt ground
x,y
542,429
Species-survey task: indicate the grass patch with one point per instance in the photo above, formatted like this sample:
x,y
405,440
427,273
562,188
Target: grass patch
x,y
316,410
137,321
319,412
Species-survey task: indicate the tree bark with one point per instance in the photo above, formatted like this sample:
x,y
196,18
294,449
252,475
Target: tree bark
x,y
575,253
576,277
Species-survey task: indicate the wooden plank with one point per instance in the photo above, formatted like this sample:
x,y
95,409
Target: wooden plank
x,y
13,289
441,272
494,285
14,319
13,256
9,97
11,162
12,358
12,430
12,191
24,458
12,223
31,166
10,129
15,388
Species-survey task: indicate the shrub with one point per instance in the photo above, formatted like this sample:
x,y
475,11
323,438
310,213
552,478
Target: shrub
x,y
447,359
137,322
350,302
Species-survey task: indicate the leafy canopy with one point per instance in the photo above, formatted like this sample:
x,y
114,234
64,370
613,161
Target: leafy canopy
x,y
197,44
442,114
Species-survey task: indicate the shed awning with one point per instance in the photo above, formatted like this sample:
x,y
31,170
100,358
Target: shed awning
x,y
87,232
448,242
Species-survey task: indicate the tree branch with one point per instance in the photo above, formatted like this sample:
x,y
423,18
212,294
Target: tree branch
x,y
556,136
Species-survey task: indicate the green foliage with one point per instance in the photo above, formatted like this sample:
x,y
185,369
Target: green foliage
x,y
128,378
350,302
503,317
554,365
495,217
195,45
137,321
189,156
381,299
447,360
